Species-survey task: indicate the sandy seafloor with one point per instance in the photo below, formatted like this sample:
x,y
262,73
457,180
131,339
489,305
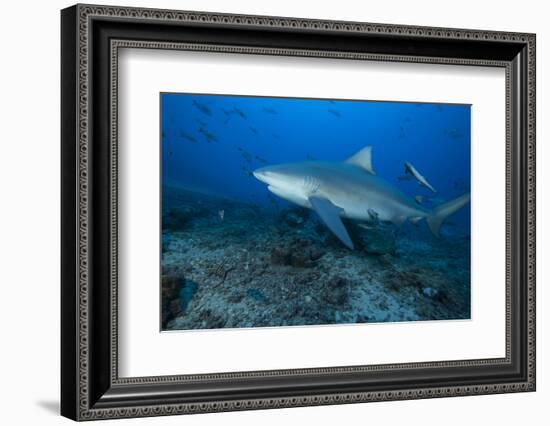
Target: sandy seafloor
x,y
261,267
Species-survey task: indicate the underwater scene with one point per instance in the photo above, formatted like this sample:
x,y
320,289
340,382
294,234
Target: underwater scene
x,y
293,211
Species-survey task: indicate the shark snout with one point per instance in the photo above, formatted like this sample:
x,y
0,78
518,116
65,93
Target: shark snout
x,y
275,176
262,174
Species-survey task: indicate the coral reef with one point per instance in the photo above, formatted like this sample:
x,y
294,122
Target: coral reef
x,y
258,267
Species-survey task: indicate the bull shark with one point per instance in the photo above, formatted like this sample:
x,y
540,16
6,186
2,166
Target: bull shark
x,y
350,189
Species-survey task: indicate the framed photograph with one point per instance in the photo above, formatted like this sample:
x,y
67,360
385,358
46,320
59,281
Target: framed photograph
x,y
263,212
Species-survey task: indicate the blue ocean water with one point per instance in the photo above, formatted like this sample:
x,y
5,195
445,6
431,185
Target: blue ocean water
x,y
236,255
212,143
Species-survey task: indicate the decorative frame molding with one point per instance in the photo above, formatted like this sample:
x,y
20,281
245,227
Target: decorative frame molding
x,y
91,388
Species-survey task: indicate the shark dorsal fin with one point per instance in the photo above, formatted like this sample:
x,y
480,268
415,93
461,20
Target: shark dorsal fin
x,y
363,159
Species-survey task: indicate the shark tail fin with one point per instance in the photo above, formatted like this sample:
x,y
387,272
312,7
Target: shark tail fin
x,y
440,213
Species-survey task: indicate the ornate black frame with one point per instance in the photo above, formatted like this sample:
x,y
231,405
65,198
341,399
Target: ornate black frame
x,y
91,37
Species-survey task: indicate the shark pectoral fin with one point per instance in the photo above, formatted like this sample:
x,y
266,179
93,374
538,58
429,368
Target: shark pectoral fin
x,y
363,159
330,215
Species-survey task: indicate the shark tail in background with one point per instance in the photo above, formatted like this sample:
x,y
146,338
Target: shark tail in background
x,y
440,213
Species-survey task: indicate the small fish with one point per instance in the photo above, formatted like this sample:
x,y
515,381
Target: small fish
x,y
415,220
261,160
439,107
401,132
210,137
365,226
270,111
221,214
239,112
407,119
410,169
275,135
187,136
163,135
247,171
201,122
202,108
419,199
228,113
334,112
373,215
253,130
